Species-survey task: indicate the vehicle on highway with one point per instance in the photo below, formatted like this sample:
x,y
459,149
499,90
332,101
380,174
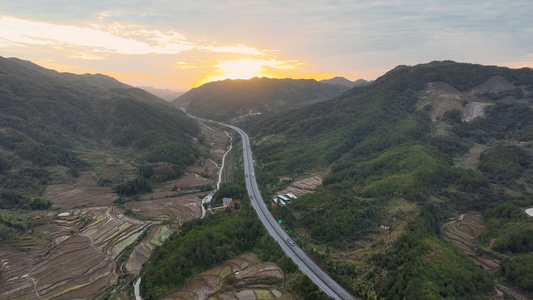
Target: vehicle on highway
x,y
290,241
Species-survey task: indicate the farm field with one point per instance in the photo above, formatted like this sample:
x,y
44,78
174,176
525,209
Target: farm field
x,y
462,233
87,247
242,277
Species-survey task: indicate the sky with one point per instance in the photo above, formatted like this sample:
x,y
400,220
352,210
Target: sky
x,y
181,44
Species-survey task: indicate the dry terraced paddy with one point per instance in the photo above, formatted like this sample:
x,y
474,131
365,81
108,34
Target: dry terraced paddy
x,y
240,277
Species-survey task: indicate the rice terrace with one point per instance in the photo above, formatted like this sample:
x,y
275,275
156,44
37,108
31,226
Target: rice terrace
x,y
86,244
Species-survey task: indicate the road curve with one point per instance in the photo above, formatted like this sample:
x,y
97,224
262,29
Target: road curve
x,y
299,257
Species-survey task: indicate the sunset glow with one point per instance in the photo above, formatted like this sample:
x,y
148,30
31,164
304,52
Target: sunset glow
x,y
247,68
160,44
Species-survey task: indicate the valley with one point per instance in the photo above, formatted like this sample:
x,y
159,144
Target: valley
x,y
87,246
413,186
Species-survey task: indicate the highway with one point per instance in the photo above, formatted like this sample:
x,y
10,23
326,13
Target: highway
x,y
299,257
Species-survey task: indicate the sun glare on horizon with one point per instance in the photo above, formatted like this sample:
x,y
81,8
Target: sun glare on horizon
x,y
235,69
246,69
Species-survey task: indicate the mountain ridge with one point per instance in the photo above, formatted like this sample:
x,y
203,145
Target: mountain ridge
x,y
399,158
166,94
44,109
338,80
235,98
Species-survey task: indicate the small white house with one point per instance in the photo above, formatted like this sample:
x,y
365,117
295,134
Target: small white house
x,y
283,198
292,196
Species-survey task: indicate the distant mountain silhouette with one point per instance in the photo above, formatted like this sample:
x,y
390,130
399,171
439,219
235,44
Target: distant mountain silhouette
x,y
345,82
229,99
166,94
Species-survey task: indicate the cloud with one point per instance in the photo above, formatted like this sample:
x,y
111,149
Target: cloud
x,y
27,33
104,38
330,36
240,49
85,56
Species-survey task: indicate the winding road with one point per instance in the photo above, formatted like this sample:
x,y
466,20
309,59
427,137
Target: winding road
x,y
298,256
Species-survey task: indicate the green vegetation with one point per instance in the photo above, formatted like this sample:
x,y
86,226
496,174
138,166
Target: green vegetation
x,y
510,231
231,189
503,121
517,93
11,225
136,186
200,245
419,265
408,170
10,199
332,217
517,270
378,147
47,118
204,243
511,228
504,162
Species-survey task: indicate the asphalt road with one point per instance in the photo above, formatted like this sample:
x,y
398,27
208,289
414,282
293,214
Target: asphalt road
x,y
299,257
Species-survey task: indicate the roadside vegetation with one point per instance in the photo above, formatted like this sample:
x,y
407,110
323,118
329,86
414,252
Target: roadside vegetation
x,y
379,147
204,243
395,171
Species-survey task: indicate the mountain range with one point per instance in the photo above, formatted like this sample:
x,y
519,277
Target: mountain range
x,y
166,94
229,99
421,176
417,147
345,82
47,115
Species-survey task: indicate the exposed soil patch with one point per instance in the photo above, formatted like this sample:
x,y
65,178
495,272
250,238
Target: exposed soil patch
x,y
181,209
77,252
206,168
493,85
442,97
463,231
79,262
310,183
189,184
141,252
442,89
474,109
189,180
302,187
83,193
219,144
246,269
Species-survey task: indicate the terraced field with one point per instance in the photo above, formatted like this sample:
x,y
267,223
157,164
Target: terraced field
x,y
462,233
86,247
242,277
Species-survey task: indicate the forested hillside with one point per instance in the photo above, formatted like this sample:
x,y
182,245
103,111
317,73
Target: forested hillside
x,y
229,99
47,117
412,150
